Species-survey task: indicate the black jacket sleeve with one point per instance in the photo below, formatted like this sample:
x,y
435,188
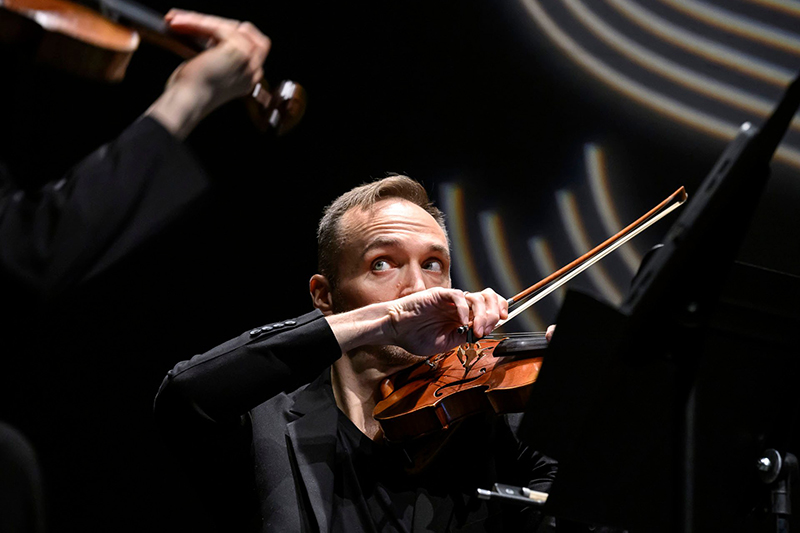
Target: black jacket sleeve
x,y
223,384
116,198
202,410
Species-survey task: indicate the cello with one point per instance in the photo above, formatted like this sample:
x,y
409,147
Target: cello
x,y
495,373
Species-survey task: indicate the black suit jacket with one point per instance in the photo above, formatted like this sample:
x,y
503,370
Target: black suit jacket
x,y
237,420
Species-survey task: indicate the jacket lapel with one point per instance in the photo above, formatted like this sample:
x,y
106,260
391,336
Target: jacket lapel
x,y
313,440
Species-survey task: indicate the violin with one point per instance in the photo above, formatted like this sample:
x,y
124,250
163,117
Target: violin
x,y
75,38
495,373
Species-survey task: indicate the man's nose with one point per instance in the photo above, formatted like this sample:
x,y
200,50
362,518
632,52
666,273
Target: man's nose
x,y
414,280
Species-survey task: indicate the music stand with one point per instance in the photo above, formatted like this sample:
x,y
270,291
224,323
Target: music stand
x,y
658,411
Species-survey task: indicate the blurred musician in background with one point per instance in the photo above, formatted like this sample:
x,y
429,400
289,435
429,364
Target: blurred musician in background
x,y
64,230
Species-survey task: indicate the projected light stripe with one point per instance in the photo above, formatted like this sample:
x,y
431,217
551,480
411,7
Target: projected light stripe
x,y
645,58
576,231
599,183
790,7
627,86
452,199
503,266
647,97
730,22
545,261
705,48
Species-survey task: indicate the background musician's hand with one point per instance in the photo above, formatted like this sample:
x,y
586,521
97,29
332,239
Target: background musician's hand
x,y
229,69
424,323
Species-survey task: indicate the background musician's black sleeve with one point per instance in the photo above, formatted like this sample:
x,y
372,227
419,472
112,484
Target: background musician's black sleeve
x,y
107,205
93,447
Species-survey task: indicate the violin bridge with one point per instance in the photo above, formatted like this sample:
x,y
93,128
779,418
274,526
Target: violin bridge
x,y
468,353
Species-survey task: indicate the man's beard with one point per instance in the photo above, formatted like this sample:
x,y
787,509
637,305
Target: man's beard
x,y
393,356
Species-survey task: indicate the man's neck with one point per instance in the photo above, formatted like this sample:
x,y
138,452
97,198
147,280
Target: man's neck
x,y
355,378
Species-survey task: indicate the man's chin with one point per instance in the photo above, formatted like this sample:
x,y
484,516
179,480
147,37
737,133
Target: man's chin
x,y
389,356
394,356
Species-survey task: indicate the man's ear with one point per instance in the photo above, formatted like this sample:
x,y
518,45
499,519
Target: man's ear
x,y
321,296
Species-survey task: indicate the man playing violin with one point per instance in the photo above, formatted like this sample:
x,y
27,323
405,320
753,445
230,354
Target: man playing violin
x,y
68,231
277,423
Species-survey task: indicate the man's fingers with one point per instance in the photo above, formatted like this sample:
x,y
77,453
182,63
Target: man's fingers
x,y
479,318
462,306
261,41
243,39
258,56
256,67
201,25
218,28
487,309
496,306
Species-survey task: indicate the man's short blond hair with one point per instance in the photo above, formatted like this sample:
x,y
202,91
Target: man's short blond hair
x,y
330,239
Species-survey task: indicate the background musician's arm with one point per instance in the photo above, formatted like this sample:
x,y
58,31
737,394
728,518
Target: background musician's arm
x,y
128,190
229,69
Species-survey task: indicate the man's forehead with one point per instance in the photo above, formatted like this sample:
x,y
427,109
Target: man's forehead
x,y
387,217
388,210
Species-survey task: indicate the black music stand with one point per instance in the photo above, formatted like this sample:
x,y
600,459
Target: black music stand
x,y
659,411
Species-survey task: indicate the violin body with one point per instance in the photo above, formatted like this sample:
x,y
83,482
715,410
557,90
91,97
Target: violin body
x,y
432,395
69,36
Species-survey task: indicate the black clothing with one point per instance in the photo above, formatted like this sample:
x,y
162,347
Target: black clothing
x,y
92,439
114,200
238,421
374,490
21,498
369,487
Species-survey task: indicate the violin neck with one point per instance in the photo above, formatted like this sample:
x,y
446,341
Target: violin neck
x,y
151,25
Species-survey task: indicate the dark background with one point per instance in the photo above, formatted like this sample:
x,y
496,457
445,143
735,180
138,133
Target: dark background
x,y
462,94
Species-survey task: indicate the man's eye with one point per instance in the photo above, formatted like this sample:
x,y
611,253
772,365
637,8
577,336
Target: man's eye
x,y
380,264
433,266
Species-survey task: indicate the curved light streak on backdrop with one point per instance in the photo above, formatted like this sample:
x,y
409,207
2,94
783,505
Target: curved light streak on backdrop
x,y
545,261
785,6
502,264
701,46
669,105
463,264
506,269
671,70
599,184
579,237
737,24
